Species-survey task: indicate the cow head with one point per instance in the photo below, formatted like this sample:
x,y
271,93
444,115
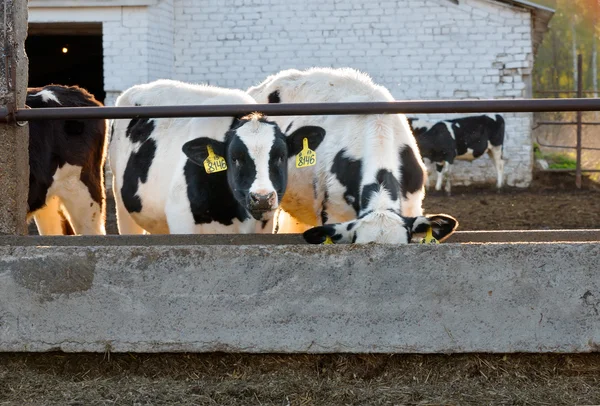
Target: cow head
x,y
256,152
384,227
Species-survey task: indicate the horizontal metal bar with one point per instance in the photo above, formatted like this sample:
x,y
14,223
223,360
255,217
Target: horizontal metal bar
x,y
563,146
565,91
571,170
567,123
300,109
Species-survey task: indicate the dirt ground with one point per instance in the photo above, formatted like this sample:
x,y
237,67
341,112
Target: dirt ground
x,y
552,202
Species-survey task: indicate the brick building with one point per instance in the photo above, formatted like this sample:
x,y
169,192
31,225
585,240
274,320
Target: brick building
x,y
419,49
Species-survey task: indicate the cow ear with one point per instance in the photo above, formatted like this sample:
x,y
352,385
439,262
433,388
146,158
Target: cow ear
x,y
340,233
197,150
442,225
295,140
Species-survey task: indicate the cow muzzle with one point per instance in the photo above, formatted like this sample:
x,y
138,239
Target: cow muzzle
x,y
260,204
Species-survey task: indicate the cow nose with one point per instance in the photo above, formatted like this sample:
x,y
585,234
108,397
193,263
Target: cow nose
x,y
263,201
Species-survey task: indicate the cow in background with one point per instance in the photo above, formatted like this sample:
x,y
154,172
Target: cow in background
x,y
465,139
66,163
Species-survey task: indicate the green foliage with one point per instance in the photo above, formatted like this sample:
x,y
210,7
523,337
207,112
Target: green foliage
x,y
556,161
574,24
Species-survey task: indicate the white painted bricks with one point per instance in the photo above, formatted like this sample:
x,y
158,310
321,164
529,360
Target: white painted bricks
x,y
419,49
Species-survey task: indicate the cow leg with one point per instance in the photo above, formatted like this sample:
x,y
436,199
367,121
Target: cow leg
x,y
440,170
86,214
447,169
125,223
495,154
48,219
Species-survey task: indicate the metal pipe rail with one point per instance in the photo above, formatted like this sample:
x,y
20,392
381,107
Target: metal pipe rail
x,y
300,109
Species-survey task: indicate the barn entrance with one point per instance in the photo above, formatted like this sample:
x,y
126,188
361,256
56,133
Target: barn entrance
x,y
66,54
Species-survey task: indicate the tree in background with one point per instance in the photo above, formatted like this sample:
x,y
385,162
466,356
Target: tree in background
x,y
573,29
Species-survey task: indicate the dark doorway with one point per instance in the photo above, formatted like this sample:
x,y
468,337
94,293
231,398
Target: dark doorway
x,y
66,55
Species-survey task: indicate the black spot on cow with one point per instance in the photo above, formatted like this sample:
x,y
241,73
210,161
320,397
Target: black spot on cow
x,y
365,214
139,129
350,226
396,212
274,97
437,144
278,157
412,175
289,127
474,132
136,171
54,143
210,196
74,127
348,173
385,180
324,216
264,224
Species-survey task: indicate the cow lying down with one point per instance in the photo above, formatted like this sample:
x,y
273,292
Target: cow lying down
x,y
199,175
367,183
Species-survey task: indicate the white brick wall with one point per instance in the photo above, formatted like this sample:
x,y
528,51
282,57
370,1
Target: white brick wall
x,y
138,47
419,49
124,41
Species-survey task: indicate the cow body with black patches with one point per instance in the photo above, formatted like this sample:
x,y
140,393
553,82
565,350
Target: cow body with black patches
x,y
66,160
368,181
466,139
160,182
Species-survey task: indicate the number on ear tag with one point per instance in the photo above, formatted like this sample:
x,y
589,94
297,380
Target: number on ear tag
x,y
429,238
328,240
214,163
306,157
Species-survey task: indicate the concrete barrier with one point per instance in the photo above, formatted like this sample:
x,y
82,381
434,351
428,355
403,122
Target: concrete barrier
x,y
534,297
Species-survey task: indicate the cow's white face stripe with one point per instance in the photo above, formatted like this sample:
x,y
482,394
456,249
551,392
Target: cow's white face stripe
x,y
259,138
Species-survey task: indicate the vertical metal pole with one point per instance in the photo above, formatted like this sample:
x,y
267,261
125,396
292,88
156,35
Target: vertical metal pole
x,y
579,115
14,140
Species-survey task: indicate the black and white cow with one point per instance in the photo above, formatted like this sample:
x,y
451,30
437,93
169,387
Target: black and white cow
x,y
466,138
160,180
66,161
368,181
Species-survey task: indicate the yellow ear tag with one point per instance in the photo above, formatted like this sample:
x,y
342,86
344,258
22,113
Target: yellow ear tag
x,y
214,163
429,238
306,157
328,240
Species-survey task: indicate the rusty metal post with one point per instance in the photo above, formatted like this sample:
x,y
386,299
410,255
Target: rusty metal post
x,y
579,115
14,139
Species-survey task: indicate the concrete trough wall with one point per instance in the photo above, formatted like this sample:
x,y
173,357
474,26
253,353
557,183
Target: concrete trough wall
x,y
139,297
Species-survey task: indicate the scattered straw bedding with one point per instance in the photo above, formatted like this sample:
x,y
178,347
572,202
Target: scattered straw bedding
x,y
226,379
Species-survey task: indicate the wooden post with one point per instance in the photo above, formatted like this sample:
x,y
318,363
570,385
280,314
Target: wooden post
x,y
14,139
579,114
